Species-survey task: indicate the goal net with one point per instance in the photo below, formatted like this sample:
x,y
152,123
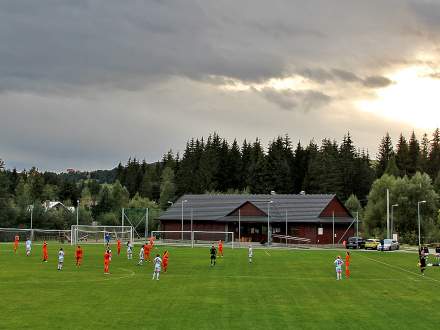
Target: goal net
x,y
194,237
8,235
82,234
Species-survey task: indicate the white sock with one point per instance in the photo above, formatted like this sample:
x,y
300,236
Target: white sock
x,y
158,276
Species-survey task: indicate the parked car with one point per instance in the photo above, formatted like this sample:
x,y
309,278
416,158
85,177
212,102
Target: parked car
x,y
388,245
355,243
372,243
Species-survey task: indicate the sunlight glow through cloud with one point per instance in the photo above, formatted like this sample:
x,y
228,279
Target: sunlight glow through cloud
x,y
414,98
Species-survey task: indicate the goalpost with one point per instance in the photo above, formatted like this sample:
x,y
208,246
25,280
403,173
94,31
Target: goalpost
x,y
8,234
200,237
96,234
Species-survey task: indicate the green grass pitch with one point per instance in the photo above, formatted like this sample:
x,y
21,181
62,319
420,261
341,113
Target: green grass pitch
x,y
282,289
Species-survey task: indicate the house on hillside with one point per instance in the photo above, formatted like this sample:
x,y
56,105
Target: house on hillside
x,y
56,205
309,218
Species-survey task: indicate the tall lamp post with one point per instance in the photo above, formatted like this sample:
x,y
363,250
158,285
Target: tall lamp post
x,y
268,222
183,201
77,212
392,218
418,216
31,209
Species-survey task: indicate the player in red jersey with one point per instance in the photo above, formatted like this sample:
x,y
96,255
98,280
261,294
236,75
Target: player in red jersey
x,y
16,239
118,242
165,260
107,262
220,248
45,254
152,241
147,249
78,255
347,264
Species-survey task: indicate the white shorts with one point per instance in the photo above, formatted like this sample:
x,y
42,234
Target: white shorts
x,y
338,270
157,269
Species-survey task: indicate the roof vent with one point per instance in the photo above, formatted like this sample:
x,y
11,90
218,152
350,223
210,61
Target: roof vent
x,y
302,192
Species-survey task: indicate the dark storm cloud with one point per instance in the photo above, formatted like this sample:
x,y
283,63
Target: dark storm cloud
x,y
377,82
55,45
292,100
87,82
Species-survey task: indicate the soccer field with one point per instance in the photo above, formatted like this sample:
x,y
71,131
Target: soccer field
x,y
282,289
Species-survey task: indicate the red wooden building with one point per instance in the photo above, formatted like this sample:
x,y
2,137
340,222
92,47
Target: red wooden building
x,y
312,217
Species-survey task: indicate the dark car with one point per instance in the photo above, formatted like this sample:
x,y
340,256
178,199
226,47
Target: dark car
x,y
355,243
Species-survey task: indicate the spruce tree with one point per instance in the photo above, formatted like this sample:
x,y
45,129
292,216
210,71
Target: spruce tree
x,y
347,166
384,154
402,156
424,153
235,176
414,155
299,168
434,155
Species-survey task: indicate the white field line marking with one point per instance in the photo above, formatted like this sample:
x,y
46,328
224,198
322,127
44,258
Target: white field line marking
x,y
267,253
131,274
262,277
401,269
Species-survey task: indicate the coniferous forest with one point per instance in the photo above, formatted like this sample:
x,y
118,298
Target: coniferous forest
x,y
215,165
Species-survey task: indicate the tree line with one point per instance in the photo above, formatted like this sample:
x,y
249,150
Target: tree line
x,y
217,165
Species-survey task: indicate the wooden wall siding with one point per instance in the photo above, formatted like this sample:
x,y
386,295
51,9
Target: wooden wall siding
x,y
336,206
248,209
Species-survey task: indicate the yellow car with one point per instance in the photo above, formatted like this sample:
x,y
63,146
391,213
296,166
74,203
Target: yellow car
x,y
372,243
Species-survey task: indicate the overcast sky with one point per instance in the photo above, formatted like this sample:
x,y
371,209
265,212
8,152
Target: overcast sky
x,y
86,84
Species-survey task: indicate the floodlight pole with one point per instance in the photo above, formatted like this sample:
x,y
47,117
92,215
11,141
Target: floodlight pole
x,y
357,223
32,211
122,218
333,223
192,234
286,227
392,218
418,216
183,201
239,226
146,222
77,212
268,222
388,213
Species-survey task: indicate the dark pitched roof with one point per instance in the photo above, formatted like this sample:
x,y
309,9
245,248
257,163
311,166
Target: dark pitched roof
x,y
299,208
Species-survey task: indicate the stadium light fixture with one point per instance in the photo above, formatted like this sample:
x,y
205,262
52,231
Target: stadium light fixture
x,y
418,216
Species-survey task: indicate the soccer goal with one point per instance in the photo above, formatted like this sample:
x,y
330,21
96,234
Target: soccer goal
x,y
193,238
8,234
82,234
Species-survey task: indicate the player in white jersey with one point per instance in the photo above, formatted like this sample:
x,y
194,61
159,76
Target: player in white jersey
x,y
28,247
60,259
338,263
141,256
129,250
250,253
157,267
